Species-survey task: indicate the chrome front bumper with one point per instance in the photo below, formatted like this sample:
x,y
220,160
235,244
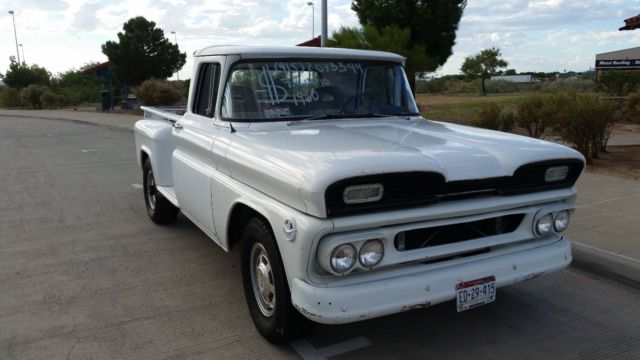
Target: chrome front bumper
x,y
352,302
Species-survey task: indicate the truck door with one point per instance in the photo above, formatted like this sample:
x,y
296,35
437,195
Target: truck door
x,y
193,163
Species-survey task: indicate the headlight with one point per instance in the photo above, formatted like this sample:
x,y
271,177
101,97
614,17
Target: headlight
x,y
343,257
544,226
556,173
371,253
561,221
362,193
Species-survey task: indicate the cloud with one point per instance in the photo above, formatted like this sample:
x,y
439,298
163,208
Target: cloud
x,y
533,35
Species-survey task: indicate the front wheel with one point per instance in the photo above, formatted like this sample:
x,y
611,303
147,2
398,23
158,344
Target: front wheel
x,y
159,209
266,288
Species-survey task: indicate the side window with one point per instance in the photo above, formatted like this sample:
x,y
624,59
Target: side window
x,y
206,91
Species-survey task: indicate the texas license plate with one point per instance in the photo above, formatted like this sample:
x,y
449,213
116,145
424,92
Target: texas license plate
x,y
471,294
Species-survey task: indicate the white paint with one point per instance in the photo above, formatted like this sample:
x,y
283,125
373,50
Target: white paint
x,y
606,252
309,352
608,200
345,346
88,150
136,186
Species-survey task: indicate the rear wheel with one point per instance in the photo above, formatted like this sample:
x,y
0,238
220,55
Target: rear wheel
x,y
160,210
266,288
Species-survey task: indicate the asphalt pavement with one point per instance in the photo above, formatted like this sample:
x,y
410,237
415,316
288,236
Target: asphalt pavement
x,y
85,274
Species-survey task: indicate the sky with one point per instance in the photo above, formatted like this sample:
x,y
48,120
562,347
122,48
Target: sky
x,y
537,35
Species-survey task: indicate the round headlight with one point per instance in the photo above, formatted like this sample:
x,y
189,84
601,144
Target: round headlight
x,y
562,221
371,253
343,257
544,226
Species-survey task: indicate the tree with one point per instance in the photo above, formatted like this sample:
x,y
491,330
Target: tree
x,y
156,92
390,38
77,87
142,52
20,75
483,65
432,26
511,72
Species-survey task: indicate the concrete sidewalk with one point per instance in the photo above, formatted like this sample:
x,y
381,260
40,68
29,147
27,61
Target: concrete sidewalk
x,y
605,229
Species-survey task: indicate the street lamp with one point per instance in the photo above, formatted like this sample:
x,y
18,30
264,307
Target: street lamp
x,y
24,59
313,19
15,34
175,38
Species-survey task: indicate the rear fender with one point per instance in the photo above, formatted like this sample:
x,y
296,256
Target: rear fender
x,y
155,139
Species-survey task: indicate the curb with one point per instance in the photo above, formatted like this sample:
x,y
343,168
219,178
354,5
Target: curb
x,y
605,264
79,121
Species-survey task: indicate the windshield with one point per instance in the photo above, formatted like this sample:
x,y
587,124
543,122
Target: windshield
x,y
289,90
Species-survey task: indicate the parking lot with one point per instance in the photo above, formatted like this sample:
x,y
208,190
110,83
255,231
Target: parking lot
x,y
85,274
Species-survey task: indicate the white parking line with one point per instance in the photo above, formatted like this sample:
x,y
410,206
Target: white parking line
x,y
88,150
136,186
309,352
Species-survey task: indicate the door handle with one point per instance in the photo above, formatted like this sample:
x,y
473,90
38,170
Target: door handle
x,y
177,126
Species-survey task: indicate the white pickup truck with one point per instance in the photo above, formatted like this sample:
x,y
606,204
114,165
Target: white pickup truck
x,y
345,203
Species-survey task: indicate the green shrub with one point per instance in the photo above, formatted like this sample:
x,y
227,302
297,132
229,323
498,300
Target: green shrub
x,y
48,99
437,85
532,115
501,87
583,120
632,107
30,95
494,117
10,97
584,85
156,92
76,95
455,86
619,82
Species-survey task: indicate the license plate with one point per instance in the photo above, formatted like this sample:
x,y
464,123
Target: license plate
x,y
471,294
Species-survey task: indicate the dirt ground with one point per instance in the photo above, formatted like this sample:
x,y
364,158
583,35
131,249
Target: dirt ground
x,y
622,161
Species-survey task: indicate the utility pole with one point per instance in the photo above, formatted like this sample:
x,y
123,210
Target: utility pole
x,y
24,59
15,34
175,39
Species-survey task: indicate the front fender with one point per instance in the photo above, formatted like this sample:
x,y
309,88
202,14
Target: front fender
x,y
228,192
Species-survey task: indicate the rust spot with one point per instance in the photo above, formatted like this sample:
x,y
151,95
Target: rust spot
x,y
416,306
305,311
533,276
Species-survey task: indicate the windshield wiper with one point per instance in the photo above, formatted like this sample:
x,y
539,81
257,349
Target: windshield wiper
x,y
314,117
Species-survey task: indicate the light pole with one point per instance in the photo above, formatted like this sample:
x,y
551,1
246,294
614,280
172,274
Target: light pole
x,y
15,34
175,39
24,59
313,19
324,33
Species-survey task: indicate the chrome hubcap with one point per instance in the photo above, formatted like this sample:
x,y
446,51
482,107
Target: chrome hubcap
x,y
151,190
262,281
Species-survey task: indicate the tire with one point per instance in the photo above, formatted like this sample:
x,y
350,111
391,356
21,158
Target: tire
x,y
159,209
270,303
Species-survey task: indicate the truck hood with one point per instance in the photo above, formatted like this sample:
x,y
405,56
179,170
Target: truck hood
x,y
295,164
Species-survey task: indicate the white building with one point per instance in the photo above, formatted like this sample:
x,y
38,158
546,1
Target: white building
x,y
520,79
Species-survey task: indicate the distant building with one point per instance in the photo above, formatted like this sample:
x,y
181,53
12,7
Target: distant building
x,y
315,42
520,79
627,59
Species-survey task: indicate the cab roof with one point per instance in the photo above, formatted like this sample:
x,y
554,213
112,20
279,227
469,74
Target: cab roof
x,y
254,52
